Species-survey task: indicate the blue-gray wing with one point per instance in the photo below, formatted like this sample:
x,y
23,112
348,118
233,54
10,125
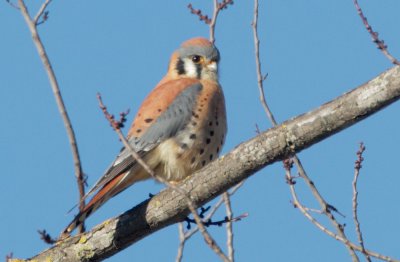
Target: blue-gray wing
x,y
174,119
167,125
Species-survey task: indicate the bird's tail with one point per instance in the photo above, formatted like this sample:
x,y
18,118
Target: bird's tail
x,y
103,195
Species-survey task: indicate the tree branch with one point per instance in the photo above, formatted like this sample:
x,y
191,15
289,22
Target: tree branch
x,y
275,144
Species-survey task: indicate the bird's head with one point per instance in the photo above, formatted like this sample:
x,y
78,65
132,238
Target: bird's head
x,y
196,58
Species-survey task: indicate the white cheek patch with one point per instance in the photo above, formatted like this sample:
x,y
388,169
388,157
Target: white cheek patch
x,y
190,68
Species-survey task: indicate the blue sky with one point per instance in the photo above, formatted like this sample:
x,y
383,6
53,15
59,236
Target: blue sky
x,y
313,51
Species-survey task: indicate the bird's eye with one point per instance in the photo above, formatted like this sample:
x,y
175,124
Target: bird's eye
x,y
196,59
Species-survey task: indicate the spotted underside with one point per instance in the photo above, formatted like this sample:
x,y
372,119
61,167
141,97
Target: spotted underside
x,y
182,137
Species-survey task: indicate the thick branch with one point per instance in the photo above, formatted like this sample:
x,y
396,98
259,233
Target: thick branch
x,y
169,206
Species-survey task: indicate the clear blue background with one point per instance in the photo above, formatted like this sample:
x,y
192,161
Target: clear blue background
x,y
313,52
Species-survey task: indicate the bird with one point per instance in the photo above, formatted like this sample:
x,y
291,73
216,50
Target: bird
x,y
180,127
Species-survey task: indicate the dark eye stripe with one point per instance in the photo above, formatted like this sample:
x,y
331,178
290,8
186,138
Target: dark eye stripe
x,y
198,70
180,67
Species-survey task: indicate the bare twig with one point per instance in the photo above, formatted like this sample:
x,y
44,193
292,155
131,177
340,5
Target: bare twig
x,y
229,231
46,237
198,12
182,242
214,21
357,167
207,237
214,209
375,36
12,4
42,11
32,24
260,77
303,210
324,205
211,222
217,7
326,208
188,234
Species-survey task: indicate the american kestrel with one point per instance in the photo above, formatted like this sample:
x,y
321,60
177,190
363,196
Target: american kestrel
x,y
180,127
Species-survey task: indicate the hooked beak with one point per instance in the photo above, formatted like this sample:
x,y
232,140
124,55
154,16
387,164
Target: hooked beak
x,y
212,65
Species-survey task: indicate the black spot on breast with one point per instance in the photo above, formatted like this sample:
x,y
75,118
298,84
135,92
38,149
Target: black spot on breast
x,y
217,149
138,130
159,110
210,123
148,120
192,160
217,123
184,146
211,157
194,123
201,151
211,133
208,140
203,163
192,136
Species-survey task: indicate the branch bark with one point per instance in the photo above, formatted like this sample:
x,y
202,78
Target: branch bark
x,y
275,144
